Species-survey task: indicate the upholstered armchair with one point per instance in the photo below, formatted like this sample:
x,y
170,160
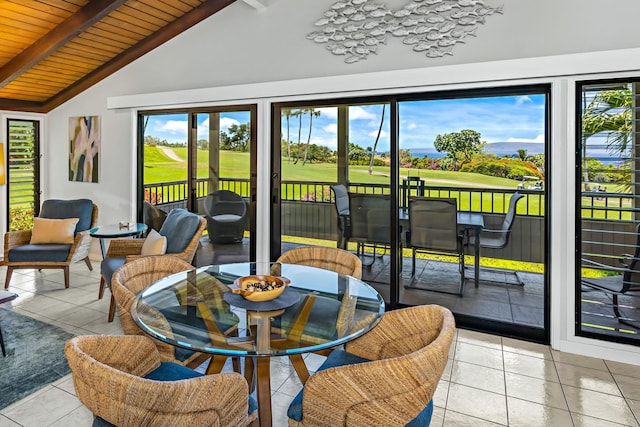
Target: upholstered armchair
x,y
122,380
59,237
387,377
182,231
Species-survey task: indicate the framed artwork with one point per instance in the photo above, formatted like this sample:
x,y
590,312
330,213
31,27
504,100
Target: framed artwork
x,y
2,165
84,148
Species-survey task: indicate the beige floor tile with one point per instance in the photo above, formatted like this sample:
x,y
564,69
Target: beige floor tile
x,y
635,407
578,360
630,386
455,419
65,383
526,348
523,413
437,419
479,355
81,417
531,366
446,373
478,376
587,378
440,396
580,420
623,369
599,405
479,338
6,422
279,405
477,403
535,390
42,407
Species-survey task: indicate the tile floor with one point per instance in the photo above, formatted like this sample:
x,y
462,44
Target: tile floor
x,y
489,380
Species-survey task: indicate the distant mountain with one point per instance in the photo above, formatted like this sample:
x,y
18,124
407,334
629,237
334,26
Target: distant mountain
x,y
497,148
511,148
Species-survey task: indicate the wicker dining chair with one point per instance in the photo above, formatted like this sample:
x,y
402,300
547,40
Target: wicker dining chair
x,y
334,259
136,276
387,377
124,382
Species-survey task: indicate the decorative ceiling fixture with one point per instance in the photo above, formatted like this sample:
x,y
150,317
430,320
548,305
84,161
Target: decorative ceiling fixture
x,y
356,28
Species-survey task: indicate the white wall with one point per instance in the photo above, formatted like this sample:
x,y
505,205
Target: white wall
x,y
230,56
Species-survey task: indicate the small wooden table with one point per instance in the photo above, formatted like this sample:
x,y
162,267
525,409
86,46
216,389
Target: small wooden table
x,y
5,296
114,231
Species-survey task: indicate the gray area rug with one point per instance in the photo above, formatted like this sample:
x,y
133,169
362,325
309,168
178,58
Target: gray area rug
x,y
35,356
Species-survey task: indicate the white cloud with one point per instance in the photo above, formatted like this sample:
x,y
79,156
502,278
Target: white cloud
x,y
328,112
411,126
539,139
522,99
358,113
172,126
331,128
374,133
226,122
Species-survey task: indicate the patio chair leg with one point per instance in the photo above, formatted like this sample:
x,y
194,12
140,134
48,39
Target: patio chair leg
x,y
112,309
4,352
88,262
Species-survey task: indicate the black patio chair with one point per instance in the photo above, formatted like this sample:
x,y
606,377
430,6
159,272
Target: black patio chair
x,y
341,196
370,222
226,216
626,281
434,229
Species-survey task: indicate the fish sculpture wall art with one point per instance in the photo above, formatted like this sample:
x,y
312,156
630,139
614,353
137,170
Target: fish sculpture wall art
x,y
355,29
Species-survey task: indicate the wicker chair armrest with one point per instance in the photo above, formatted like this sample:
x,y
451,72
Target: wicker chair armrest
x,y
124,247
382,392
13,239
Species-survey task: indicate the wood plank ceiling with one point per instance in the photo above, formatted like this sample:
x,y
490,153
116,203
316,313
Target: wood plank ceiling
x,y
51,50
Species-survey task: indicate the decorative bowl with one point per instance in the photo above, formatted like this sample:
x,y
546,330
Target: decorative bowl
x,y
258,288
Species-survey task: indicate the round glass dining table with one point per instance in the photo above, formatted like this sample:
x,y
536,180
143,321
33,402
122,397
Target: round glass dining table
x,y
195,311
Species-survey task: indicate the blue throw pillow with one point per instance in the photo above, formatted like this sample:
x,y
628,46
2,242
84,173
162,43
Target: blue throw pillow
x,y
343,358
179,228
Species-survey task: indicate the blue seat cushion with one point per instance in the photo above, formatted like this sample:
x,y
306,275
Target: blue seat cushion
x,y
49,252
61,209
179,228
108,266
343,358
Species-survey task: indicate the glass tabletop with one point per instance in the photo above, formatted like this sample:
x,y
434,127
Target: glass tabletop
x,y
117,230
320,309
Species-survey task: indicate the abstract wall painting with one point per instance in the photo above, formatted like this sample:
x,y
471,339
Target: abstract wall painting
x,y
84,148
2,165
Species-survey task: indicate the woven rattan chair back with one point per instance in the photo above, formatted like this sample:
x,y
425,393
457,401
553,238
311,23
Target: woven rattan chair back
x,y
334,259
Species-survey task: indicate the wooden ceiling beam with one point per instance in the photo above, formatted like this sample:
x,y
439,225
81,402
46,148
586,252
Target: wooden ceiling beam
x,y
171,30
84,18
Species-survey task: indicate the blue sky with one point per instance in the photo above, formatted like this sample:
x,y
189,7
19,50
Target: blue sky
x,y
498,119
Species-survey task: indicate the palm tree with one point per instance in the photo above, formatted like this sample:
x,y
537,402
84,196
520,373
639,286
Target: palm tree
x,y
375,144
312,113
287,115
608,114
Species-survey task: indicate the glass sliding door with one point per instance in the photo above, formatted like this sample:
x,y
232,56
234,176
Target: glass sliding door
x,y
478,155
22,173
203,161
472,206
608,205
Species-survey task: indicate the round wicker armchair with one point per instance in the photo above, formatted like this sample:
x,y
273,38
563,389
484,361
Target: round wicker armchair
x,y
390,375
137,275
108,376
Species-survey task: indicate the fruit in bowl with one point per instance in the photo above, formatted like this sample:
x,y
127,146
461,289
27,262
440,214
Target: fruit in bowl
x,y
259,288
